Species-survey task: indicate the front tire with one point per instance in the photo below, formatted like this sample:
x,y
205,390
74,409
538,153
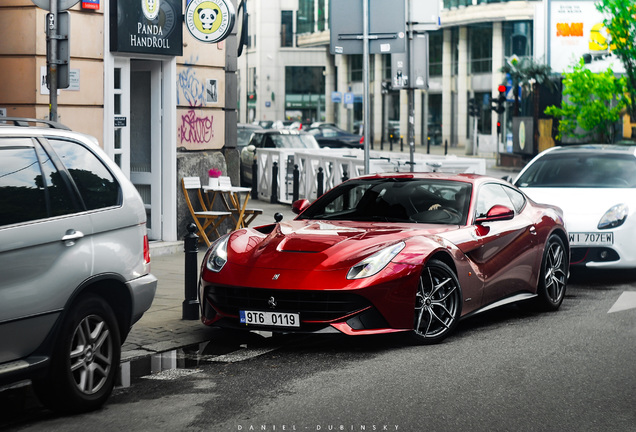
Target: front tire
x,y
554,275
85,361
438,303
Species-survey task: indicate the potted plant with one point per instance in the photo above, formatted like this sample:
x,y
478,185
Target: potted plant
x,y
214,175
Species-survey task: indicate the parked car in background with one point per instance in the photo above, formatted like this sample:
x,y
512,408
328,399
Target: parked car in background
x,y
385,253
332,136
595,185
265,124
272,138
75,264
282,124
244,132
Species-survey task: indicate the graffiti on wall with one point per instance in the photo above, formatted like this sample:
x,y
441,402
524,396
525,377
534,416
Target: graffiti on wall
x,y
190,88
195,128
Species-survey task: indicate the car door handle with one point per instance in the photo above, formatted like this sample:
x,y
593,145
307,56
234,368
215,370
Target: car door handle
x,y
72,235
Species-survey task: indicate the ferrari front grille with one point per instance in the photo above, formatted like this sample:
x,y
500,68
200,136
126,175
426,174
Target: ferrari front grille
x,y
320,306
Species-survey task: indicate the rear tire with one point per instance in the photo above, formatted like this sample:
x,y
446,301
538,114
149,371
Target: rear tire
x,y
85,361
554,275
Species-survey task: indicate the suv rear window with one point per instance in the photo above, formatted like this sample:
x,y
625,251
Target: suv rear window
x,y
96,184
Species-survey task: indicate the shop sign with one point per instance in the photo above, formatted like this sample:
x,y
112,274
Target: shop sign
x,y
210,21
146,26
90,4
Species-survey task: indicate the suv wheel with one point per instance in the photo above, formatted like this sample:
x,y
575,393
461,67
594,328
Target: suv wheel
x,y
86,359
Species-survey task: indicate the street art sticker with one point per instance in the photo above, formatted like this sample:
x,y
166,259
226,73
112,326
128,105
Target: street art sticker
x,y
211,91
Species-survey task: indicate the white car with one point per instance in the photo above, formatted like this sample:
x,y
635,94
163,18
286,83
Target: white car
x,y
595,186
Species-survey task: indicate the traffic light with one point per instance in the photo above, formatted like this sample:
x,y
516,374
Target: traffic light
x,y
473,108
498,105
498,128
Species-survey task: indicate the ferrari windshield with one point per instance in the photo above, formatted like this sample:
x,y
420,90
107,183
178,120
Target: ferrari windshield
x,y
394,200
581,170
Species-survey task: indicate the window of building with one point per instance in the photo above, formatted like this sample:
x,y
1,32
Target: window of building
x,y
305,18
304,92
286,28
356,68
517,38
482,99
480,48
435,52
454,50
322,16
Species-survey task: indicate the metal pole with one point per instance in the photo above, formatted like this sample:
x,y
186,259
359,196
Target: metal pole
x,y
365,73
190,305
52,60
410,133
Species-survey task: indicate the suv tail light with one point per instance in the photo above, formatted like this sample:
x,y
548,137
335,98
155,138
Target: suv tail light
x,y
146,250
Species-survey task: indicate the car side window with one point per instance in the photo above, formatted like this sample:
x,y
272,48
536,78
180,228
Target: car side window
x,y
97,186
517,198
489,195
256,140
31,188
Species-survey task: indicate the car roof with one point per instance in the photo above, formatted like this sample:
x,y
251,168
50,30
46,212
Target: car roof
x,y
627,148
248,126
281,132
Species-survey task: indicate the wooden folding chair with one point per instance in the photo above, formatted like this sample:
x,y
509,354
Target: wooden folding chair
x,y
203,218
249,213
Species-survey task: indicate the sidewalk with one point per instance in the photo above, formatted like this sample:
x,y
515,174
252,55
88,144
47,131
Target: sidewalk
x,y
162,329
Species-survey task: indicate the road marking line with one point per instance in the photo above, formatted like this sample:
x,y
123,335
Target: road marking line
x,y
626,301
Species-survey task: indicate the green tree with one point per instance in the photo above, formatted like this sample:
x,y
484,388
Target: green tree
x,y
592,102
527,73
620,22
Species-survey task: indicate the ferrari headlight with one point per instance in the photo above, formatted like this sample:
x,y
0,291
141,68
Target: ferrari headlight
x,y
374,263
218,255
614,217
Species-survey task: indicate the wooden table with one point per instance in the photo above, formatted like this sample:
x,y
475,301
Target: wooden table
x,y
231,198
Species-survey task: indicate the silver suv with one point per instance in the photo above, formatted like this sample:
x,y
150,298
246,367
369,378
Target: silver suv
x,y
74,264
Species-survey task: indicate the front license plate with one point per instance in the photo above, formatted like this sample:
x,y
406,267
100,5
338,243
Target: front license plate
x,y
276,319
591,239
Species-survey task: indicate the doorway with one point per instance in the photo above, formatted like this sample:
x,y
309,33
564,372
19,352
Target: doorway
x,y
146,139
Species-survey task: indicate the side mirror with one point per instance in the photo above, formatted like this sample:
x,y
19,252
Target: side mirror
x,y
496,213
299,206
507,178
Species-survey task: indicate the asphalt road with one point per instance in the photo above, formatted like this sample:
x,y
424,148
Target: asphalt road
x,y
506,370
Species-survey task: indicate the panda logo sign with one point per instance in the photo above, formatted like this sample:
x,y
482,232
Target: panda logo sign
x,y
209,21
150,8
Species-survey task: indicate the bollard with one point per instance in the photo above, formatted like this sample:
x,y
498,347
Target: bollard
x,y
428,146
190,307
296,185
274,197
401,144
320,177
345,176
254,179
445,147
